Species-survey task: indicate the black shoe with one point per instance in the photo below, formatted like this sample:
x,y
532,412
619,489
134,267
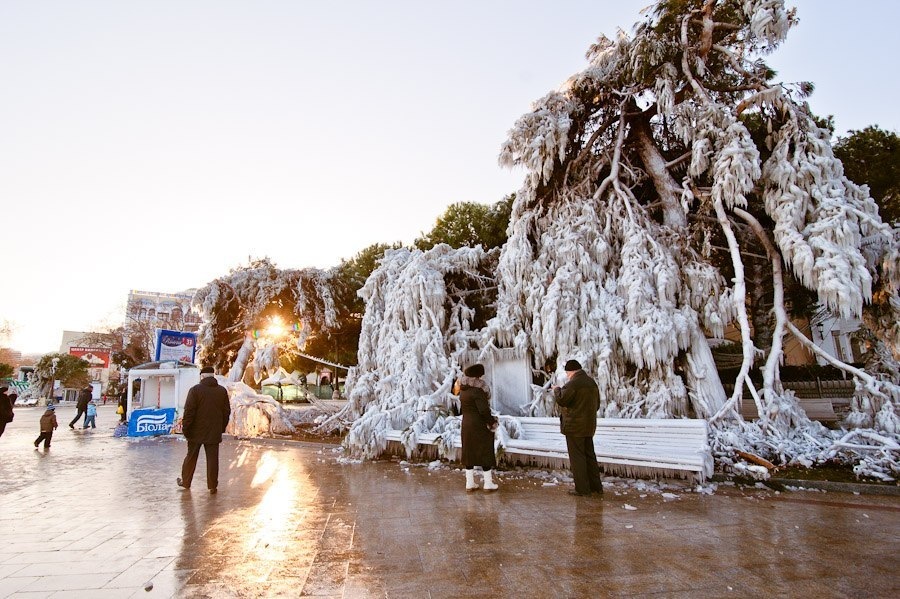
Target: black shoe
x,y
72,427
577,494
180,483
213,491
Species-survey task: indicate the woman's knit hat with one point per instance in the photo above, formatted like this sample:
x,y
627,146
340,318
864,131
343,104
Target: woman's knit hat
x,y
474,370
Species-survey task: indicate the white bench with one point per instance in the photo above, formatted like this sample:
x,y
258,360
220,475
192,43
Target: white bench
x,y
644,448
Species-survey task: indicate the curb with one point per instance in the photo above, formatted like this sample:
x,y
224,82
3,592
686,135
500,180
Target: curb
x,y
825,485
779,484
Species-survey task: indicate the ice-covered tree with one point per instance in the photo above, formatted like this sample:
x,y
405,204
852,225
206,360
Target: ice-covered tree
x,y
340,343
258,298
423,311
642,162
70,371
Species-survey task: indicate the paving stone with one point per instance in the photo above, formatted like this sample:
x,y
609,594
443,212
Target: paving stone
x,y
98,516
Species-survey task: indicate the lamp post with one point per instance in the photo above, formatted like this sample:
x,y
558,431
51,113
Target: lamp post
x,y
53,364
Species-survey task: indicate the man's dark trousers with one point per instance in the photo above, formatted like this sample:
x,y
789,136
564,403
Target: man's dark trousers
x,y
583,464
81,412
190,464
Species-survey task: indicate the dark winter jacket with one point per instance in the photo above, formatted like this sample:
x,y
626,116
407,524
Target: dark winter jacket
x,y
477,420
48,421
206,412
6,408
579,400
84,396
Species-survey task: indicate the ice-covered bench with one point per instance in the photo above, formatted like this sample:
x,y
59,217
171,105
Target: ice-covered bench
x,y
630,447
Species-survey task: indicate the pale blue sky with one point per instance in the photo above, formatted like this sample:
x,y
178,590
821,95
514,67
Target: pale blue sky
x,y
156,145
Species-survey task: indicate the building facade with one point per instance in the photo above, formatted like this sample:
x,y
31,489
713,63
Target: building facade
x,y
98,355
163,310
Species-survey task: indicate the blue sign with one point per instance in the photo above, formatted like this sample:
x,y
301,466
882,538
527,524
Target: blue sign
x,y
175,345
150,421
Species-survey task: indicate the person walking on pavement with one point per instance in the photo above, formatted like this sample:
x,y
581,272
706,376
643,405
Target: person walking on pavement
x,y
84,396
48,425
206,413
90,417
478,426
6,408
579,400
122,408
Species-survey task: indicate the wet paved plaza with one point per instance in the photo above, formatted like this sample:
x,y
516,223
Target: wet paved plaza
x,y
97,516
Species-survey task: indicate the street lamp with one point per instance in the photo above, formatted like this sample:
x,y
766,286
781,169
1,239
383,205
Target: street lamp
x,y
53,364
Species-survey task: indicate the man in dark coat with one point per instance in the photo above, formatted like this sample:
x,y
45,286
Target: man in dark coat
x,y
6,408
84,396
478,426
579,400
206,414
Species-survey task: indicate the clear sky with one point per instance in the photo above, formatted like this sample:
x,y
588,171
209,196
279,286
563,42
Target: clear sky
x,y
157,144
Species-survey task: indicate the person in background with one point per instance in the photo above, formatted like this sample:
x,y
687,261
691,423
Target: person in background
x,y
478,426
579,400
90,416
206,413
122,409
84,396
6,408
48,425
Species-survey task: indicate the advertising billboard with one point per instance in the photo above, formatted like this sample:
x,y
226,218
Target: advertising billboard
x,y
175,345
151,421
97,357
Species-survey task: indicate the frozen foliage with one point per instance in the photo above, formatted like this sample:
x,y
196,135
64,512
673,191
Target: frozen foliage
x,y
608,256
252,298
415,328
671,145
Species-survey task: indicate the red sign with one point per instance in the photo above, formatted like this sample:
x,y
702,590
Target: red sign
x,y
96,357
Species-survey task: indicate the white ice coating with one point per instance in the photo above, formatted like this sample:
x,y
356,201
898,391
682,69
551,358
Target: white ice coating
x,y
590,272
232,306
413,333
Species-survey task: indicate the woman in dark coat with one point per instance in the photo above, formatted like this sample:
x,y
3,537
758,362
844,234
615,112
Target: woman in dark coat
x,y
478,426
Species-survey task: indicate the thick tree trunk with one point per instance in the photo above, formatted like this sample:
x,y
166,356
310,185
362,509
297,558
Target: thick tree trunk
x,y
759,279
236,374
702,378
655,164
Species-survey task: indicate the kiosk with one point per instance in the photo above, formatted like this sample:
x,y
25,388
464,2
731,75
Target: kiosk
x,y
164,389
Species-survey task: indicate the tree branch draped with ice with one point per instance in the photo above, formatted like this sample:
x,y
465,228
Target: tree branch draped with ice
x,y
415,328
604,263
234,305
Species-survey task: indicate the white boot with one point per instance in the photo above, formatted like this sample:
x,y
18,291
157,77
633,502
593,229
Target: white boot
x,y
471,485
489,484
